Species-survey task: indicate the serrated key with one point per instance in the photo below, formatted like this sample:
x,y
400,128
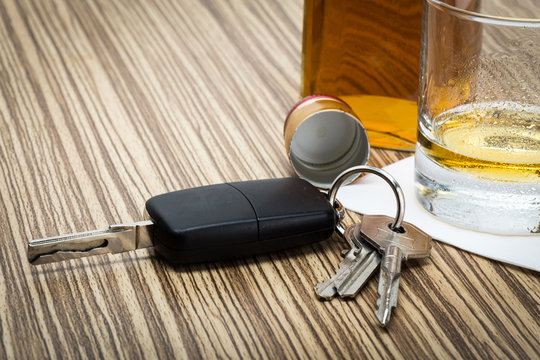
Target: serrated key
x,y
357,266
396,245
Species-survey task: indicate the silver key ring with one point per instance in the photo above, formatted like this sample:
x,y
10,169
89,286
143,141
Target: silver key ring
x,y
344,176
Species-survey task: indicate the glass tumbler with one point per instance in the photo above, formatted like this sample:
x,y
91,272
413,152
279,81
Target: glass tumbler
x,y
478,149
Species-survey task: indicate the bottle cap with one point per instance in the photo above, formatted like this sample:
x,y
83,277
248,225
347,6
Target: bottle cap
x,y
323,138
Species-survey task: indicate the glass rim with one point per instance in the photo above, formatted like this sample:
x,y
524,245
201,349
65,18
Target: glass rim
x,y
479,17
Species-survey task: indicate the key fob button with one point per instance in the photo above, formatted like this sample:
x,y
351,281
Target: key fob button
x,y
288,207
202,217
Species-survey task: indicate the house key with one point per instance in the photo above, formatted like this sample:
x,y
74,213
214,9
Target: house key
x,y
397,244
357,266
397,240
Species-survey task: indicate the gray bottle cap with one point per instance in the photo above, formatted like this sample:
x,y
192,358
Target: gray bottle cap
x,y
323,138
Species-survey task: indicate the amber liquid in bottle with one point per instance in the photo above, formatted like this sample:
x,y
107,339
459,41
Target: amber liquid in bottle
x,y
367,53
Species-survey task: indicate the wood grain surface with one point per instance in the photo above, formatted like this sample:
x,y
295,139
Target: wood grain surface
x,y
106,103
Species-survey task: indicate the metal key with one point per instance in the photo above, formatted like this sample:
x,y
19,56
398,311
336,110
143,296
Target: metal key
x,y
210,223
403,243
357,266
326,290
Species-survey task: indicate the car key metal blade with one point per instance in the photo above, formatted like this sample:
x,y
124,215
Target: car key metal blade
x,y
115,239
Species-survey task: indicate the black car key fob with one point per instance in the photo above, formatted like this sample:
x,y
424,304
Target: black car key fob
x,y
232,220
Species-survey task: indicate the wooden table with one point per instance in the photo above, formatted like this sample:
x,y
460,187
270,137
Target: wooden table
x,y
106,103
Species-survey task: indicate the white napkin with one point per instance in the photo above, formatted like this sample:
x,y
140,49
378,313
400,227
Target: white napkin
x,y
372,195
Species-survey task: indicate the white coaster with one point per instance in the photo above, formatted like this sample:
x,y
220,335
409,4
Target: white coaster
x,y
371,195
